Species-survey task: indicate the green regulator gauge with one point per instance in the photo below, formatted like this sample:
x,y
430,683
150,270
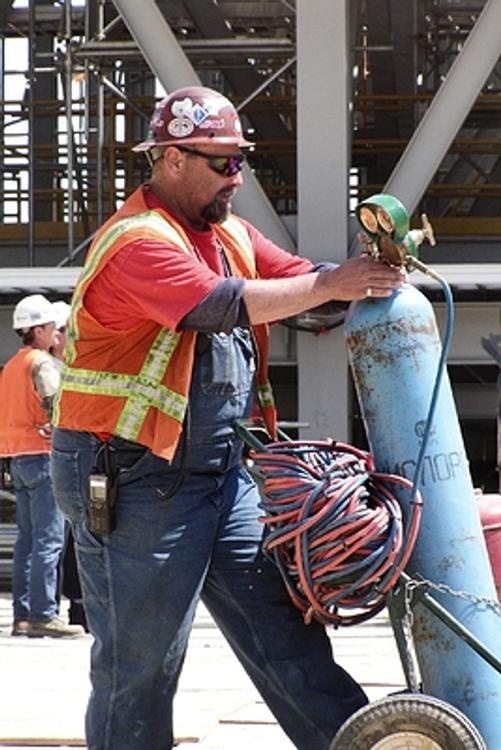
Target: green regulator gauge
x,y
385,221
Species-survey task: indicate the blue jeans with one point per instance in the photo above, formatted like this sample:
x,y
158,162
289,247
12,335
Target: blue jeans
x,y
141,585
40,537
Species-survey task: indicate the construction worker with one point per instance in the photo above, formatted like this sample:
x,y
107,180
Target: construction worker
x,y
167,347
28,384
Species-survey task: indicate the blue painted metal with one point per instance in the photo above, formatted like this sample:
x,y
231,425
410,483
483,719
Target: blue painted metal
x,y
394,349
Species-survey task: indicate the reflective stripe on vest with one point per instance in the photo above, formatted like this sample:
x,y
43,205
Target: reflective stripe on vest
x,y
141,391
147,220
265,394
236,231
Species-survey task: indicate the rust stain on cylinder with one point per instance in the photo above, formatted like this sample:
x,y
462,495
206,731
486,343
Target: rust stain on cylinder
x,y
365,341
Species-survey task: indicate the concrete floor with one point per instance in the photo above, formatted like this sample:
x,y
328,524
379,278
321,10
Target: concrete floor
x,y
44,687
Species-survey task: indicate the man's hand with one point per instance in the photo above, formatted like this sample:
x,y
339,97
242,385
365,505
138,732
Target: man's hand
x,y
45,430
361,277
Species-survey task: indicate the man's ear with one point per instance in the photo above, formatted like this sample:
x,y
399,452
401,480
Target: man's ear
x,y
173,159
36,330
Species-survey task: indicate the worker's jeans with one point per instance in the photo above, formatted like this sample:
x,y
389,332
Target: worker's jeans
x,y
141,585
142,582
40,537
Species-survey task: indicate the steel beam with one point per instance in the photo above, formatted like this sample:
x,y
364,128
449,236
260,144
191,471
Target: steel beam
x,y
448,109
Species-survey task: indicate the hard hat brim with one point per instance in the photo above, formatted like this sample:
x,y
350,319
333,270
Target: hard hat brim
x,y
222,141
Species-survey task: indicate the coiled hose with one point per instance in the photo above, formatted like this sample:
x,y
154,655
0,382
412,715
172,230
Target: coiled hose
x,y
335,529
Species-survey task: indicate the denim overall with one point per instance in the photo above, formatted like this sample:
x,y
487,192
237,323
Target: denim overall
x,y
142,582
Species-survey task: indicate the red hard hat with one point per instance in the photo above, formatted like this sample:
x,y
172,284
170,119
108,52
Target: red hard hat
x,y
194,115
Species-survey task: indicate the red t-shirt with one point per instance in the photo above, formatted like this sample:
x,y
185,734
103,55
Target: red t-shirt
x,y
151,280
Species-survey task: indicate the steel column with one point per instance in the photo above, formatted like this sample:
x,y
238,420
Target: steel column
x,y
323,147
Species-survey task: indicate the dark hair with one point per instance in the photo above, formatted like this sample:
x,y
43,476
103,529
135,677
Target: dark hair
x,y
27,335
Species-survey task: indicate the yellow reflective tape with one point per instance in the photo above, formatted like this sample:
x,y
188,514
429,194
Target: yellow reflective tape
x,y
238,232
131,419
55,408
265,394
156,363
130,387
159,355
151,220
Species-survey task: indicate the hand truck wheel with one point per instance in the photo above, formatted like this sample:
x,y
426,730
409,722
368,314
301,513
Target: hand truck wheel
x,y
408,722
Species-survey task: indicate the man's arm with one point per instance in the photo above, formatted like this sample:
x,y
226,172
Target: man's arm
x,y
273,299
46,381
240,302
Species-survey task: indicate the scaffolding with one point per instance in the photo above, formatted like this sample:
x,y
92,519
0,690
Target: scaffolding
x,y
66,160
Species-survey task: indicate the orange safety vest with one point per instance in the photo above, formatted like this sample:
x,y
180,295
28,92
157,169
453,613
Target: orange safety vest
x,y
135,383
21,415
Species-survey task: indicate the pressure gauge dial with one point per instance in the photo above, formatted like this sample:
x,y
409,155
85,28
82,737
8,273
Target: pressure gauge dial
x,y
368,220
385,221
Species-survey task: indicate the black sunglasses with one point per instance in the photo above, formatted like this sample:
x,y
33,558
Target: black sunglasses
x,y
225,165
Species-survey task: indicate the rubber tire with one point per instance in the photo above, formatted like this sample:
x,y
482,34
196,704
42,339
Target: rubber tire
x,y
432,718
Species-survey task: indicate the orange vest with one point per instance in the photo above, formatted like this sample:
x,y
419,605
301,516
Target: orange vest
x,y
21,415
135,383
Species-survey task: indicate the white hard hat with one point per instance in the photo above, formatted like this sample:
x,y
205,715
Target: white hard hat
x,y
62,312
34,310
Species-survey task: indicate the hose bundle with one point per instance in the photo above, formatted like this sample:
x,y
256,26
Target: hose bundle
x,y
334,528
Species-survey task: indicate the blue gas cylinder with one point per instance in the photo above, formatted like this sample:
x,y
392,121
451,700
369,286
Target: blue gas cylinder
x,y
394,349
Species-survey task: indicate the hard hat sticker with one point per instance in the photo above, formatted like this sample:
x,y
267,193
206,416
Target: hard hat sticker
x,y
198,114
180,127
186,108
214,124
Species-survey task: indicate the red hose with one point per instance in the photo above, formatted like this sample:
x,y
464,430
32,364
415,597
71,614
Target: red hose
x,y
334,527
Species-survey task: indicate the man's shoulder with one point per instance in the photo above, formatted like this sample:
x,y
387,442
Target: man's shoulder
x,y
23,353
26,359
42,354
